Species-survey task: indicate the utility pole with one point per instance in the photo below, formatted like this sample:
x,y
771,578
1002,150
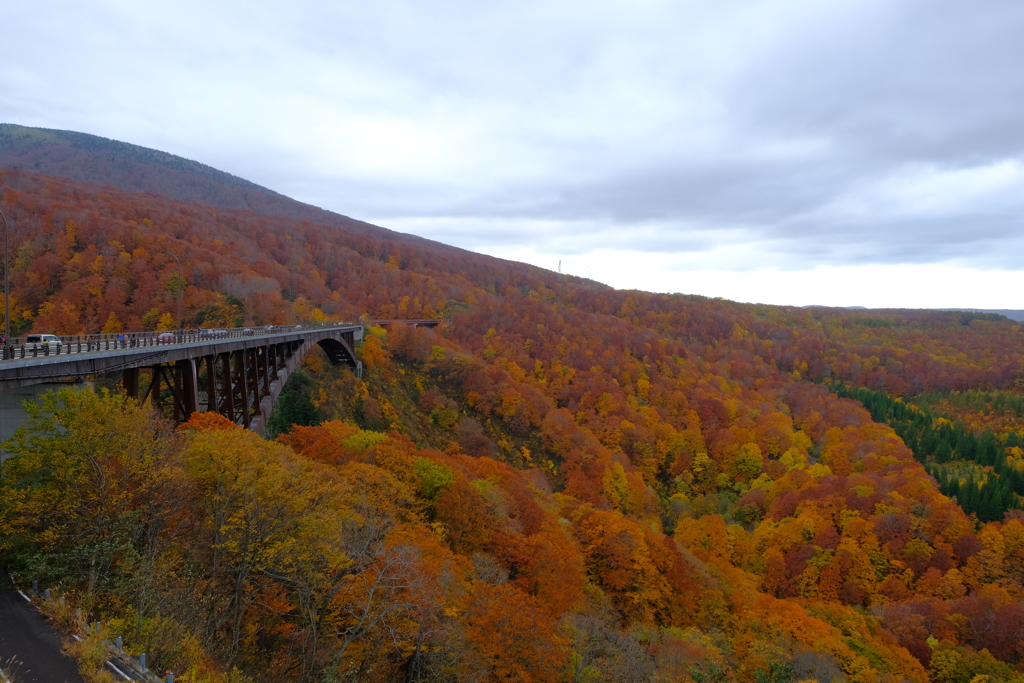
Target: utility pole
x,y
7,290
181,287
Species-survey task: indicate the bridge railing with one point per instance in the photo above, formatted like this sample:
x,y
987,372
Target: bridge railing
x,y
21,348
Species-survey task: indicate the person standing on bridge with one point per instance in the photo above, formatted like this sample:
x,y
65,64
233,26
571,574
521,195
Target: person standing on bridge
x,y
120,340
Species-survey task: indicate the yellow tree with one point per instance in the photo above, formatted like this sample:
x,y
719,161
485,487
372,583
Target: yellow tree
x,y
113,325
265,515
84,489
166,322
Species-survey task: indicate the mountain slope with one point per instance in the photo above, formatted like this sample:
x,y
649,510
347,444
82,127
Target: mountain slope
x,y
101,161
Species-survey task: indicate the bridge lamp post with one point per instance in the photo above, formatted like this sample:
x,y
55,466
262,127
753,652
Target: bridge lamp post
x,y
7,290
181,286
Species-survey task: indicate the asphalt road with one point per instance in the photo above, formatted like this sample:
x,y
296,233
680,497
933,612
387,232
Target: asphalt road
x,y
30,651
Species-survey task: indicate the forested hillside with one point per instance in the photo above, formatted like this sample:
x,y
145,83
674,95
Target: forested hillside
x,y
563,482
111,163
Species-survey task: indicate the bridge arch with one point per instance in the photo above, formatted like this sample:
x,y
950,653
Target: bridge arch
x,y
338,352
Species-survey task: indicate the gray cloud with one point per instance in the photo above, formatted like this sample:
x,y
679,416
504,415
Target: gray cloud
x,y
825,133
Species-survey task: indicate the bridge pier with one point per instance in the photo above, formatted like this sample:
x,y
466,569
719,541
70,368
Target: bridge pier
x,y
211,381
189,386
130,381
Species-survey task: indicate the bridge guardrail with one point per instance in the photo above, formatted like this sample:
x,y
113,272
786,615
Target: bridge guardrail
x,y
94,343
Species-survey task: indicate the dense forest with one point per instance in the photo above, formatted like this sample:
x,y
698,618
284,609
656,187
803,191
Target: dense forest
x,y
984,472
563,482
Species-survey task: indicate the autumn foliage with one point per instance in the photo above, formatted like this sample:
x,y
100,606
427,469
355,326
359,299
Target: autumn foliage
x,y
562,482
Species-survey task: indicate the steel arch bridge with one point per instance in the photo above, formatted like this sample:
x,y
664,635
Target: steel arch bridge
x,y
237,373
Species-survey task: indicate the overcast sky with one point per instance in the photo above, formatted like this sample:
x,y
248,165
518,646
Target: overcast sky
x,y
862,152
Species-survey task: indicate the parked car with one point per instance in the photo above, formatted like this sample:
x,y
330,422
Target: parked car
x,y
165,337
50,340
248,332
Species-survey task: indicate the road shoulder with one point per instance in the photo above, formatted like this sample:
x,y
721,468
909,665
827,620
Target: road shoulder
x,y
31,651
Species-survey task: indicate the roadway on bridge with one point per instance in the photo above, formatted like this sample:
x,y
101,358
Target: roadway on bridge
x,y
30,649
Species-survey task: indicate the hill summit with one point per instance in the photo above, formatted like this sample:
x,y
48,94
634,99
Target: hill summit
x,y
132,168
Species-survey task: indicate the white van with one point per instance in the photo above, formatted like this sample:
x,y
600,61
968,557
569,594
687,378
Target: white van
x,y
50,340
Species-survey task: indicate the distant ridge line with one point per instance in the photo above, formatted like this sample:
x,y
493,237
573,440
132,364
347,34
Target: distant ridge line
x,y
1011,313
